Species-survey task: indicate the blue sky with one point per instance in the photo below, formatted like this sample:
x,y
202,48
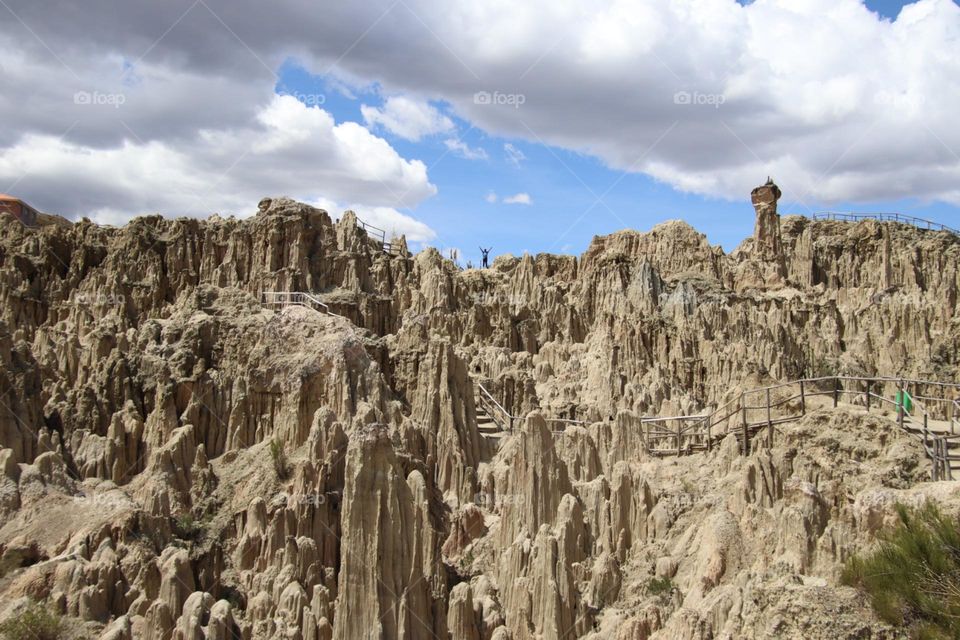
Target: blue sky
x,y
565,186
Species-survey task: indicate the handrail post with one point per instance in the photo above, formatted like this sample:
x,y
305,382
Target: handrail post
x,y
836,392
950,406
900,405
945,473
679,426
936,460
803,400
746,439
926,433
942,475
769,422
868,395
943,459
706,422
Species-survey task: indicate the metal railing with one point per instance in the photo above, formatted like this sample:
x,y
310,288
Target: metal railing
x,y
294,298
849,216
378,235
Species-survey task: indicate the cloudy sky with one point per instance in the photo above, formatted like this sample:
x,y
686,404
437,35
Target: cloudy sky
x,y
526,126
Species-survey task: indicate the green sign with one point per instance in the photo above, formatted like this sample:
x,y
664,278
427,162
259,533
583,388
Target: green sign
x,y
904,400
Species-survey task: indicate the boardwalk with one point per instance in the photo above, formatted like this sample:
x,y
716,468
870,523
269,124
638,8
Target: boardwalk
x,y
934,418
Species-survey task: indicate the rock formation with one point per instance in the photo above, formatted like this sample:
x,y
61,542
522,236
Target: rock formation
x,y
767,243
178,460
766,231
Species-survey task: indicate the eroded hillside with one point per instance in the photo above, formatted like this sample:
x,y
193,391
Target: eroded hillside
x,y
180,461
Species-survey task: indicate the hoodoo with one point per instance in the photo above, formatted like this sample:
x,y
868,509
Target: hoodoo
x,y
766,231
284,427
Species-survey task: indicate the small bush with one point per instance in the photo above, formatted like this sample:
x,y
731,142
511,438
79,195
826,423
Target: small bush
x,y
660,586
279,456
188,527
36,622
913,577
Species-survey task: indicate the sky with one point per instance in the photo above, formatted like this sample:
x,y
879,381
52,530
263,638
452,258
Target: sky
x,y
525,127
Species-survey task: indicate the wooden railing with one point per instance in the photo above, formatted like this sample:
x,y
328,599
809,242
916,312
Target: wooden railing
x,y
296,298
921,223
762,409
788,402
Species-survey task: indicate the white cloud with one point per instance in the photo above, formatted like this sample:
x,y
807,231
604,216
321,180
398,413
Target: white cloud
x,y
832,101
519,198
462,149
289,149
406,118
514,155
491,197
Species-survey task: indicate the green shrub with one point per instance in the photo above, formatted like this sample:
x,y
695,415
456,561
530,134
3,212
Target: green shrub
x,y
660,586
913,577
36,622
188,527
279,456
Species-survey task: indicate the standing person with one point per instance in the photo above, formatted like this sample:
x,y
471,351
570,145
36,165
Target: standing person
x,y
486,256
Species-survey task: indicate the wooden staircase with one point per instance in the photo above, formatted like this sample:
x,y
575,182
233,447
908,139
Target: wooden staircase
x,y
941,438
493,421
488,427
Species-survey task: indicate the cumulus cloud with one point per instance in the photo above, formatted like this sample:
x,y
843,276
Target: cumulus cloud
x,y
709,96
491,197
519,198
288,149
406,118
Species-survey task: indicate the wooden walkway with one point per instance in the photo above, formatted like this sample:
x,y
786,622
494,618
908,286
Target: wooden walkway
x,y
493,421
934,418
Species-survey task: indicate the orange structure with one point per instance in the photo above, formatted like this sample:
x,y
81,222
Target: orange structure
x,y
18,209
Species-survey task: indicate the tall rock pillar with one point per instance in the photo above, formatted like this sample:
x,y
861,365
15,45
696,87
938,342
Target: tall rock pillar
x,y
766,232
